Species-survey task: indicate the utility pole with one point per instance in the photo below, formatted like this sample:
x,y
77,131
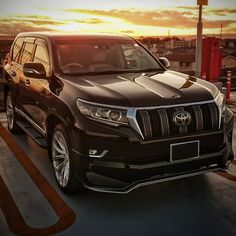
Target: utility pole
x,y
221,31
199,39
169,38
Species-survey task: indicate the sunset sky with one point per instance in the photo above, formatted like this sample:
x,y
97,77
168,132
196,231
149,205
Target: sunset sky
x,y
132,17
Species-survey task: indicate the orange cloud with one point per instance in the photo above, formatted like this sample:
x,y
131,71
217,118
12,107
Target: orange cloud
x,y
122,21
187,8
90,21
17,27
23,23
222,12
127,31
163,18
211,11
231,30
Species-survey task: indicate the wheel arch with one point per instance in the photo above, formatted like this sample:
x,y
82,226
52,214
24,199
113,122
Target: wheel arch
x,y
52,120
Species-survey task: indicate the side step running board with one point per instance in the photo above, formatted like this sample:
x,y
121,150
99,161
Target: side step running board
x,y
34,134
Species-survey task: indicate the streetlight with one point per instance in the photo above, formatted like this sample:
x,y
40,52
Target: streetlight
x,y
199,39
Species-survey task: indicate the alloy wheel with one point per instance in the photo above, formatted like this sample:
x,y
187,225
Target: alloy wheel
x,y
60,158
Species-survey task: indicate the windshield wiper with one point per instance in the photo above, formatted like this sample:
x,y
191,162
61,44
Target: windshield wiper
x,y
107,72
99,72
152,70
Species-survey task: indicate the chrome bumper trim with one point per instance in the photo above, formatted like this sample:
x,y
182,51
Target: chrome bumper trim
x,y
136,185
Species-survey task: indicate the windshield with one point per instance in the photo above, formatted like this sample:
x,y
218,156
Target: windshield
x,y
101,56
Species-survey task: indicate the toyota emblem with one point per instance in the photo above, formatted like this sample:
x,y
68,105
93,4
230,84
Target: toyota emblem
x,y
182,118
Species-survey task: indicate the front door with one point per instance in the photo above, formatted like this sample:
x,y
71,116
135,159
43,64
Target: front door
x,y
34,91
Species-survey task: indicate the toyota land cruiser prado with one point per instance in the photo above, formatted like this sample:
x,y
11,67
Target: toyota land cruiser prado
x,y
111,115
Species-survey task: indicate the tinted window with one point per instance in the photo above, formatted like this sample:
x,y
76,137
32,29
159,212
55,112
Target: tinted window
x,y
84,56
136,57
27,53
41,56
16,49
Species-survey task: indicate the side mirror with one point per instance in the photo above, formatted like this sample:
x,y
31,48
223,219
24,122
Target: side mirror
x,y
165,62
34,70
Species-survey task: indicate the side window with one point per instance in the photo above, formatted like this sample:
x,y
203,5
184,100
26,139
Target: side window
x,y
137,57
27,53
41,56
130,56
15,51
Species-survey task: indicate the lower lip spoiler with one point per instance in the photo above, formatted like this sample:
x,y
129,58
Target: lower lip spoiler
x,y
151,181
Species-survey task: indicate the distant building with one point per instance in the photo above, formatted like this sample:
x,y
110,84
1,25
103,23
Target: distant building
x,y
7,37
173,44
229,62
228,43
158,49
182,62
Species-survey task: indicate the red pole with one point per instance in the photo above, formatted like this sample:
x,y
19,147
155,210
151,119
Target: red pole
x,y
204,76
228,87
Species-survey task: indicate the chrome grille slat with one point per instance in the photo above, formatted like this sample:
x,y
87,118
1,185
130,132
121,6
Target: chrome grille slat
x,y
198,113
158,123
147,128
214,112
164,122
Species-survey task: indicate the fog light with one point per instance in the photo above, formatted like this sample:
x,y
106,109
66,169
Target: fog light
x,y
93,151
97,154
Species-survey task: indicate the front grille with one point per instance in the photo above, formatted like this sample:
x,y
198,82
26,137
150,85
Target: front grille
x,y
158,123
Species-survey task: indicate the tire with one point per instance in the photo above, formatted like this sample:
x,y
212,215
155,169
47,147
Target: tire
x,y
63,167
11,115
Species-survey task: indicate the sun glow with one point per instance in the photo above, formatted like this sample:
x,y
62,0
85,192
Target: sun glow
x,y
131,17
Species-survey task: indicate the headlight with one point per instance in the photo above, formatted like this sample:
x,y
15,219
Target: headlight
x,y
103,113
226,113
221,103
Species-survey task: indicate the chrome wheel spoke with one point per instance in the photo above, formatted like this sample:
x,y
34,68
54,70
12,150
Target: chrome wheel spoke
x,y
60,167
62,152
9,117
60,157
60,143
66,173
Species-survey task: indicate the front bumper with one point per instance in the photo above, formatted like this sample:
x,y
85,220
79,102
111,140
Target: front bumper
x,y
129,165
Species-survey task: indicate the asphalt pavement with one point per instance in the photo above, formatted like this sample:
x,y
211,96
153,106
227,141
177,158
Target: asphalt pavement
x,y
32,204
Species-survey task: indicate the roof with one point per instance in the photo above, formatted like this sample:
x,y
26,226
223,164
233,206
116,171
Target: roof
x,y
229,57
181,57
60,35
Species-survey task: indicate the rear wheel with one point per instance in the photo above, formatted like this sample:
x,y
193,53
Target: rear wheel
x,y
62,161
11,116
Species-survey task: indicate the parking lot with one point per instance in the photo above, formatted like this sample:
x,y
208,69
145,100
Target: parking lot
x,y
32,204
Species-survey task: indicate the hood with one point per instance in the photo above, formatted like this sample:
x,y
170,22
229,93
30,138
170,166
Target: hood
x,y
137,90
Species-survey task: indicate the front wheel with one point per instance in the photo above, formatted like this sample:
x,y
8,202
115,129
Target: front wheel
x,y
62,161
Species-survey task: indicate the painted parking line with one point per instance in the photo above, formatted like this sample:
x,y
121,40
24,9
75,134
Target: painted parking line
x,y
227,175
12,214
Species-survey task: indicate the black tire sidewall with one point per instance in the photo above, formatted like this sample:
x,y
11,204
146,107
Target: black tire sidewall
x,y
15,128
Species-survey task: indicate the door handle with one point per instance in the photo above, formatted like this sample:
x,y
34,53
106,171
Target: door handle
x,y
12,72
27,82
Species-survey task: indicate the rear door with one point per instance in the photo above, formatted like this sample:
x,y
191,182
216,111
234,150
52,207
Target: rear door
x,y
13,70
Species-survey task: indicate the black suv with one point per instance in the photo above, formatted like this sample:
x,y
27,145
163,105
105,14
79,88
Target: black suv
x,y
112,117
